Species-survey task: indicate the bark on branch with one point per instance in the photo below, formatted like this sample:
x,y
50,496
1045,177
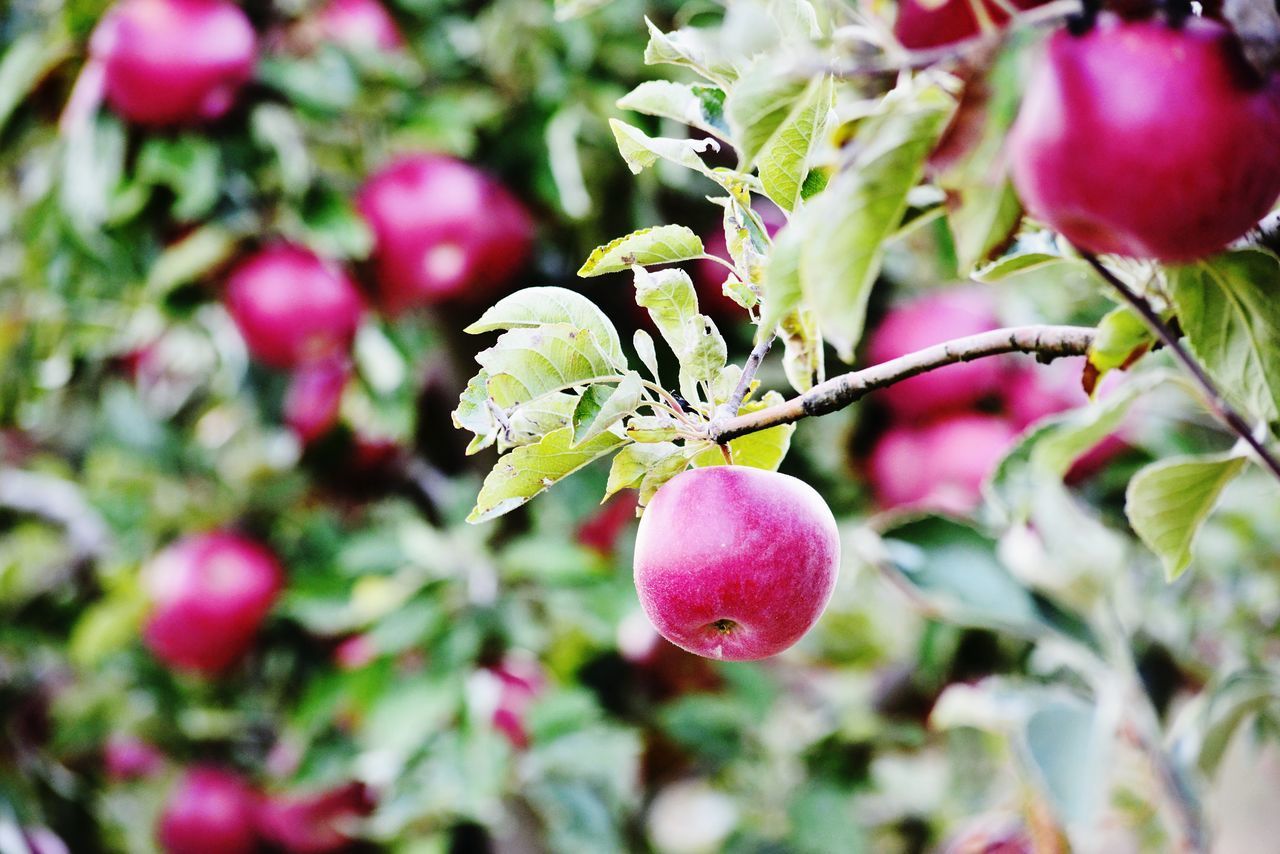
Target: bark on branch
x,y
1046,342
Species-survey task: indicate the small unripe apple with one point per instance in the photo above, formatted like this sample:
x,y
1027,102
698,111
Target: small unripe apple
x,y
128,758
924,24
209,594
317,823
443,230
168,62
314,397
293,307
359,25
211,811
941,465
735,563
931,320
1142,139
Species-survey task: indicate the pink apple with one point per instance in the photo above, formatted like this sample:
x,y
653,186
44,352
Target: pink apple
x,y
931,320
292,306
924,24
128,758
940,465
443,231
211,811
359,25
735,563
520,681
314,397
209,594
1142,139
168,62
355,652
601,530
315,823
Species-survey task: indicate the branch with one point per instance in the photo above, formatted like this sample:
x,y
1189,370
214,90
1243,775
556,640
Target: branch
x,y
748,374
1047,342
1213,396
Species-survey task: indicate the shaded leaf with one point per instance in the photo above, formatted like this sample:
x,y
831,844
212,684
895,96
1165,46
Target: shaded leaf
x,y
600,407
695,105
528,470
534,307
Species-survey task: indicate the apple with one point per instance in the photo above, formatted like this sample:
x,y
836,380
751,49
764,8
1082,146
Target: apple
x,y
315,823
293,307
209,594
941,465
355,652
443,231
210,811
1142,139
127,758
931,320
601,530
924,24
358,25
170,62
735,563
520,682
314,397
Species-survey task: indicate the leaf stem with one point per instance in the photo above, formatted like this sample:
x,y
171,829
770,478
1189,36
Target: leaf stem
x,y
1213,396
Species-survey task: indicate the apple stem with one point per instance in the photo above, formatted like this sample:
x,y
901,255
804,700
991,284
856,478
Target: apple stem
x,y
1047,342
1170,339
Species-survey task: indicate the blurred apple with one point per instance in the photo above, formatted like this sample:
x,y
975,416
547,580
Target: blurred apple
x,y
316,823
210,811
314,397
358,25
128,758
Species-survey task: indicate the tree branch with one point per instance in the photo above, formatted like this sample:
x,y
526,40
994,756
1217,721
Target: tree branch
x,y
748,374
1047,342
1213,396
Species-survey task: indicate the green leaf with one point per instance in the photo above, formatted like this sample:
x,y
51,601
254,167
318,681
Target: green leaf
x,y
1204,730
323,82
1168,501
758,105
568,10
530,469
92,168
1228,310
673,304
29,58
663,470
275,128
691,48
695,105
600,407
330,224
527,363
535,307
1021,262
1122,336
782,291
663,244
982,221
190,259
189,166
1067,753
764,449
634,461
647,353
804,359
641,151
846,226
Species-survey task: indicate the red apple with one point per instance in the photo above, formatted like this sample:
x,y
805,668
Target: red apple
x,y
931,320
601,530
443,231
211,811
167,62
293,307
209,594
940,465
314,397
128,758
735,563
316,823
1142,139
520,682
924,24
358,25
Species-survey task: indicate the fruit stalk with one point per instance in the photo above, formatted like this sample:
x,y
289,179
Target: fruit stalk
x,y
1047,342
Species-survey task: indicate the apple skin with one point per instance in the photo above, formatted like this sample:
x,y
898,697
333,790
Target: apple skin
x,y
209,593
314,397
313,823
172,62
735,563
293,307
127,758
927,321
359,25
920,26
1142,140
210,811
443,231
941,465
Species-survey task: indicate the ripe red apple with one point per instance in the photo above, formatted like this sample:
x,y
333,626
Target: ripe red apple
x,y
314,397
941,465
931,320
128,758
443,231
924,24
167,62
316,823
211,811
292,306
209,593
359,25
735,563
520,682
1141,139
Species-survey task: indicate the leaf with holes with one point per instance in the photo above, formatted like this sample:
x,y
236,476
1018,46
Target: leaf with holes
x,y
664,244
527,363
672,302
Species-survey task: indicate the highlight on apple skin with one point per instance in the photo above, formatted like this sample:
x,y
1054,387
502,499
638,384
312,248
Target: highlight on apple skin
x,y
210,811
209,594
173,62
735,563
1137,138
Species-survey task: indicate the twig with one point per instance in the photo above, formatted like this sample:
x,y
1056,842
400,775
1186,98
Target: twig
x,y
730,409
1047,342
1214,399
